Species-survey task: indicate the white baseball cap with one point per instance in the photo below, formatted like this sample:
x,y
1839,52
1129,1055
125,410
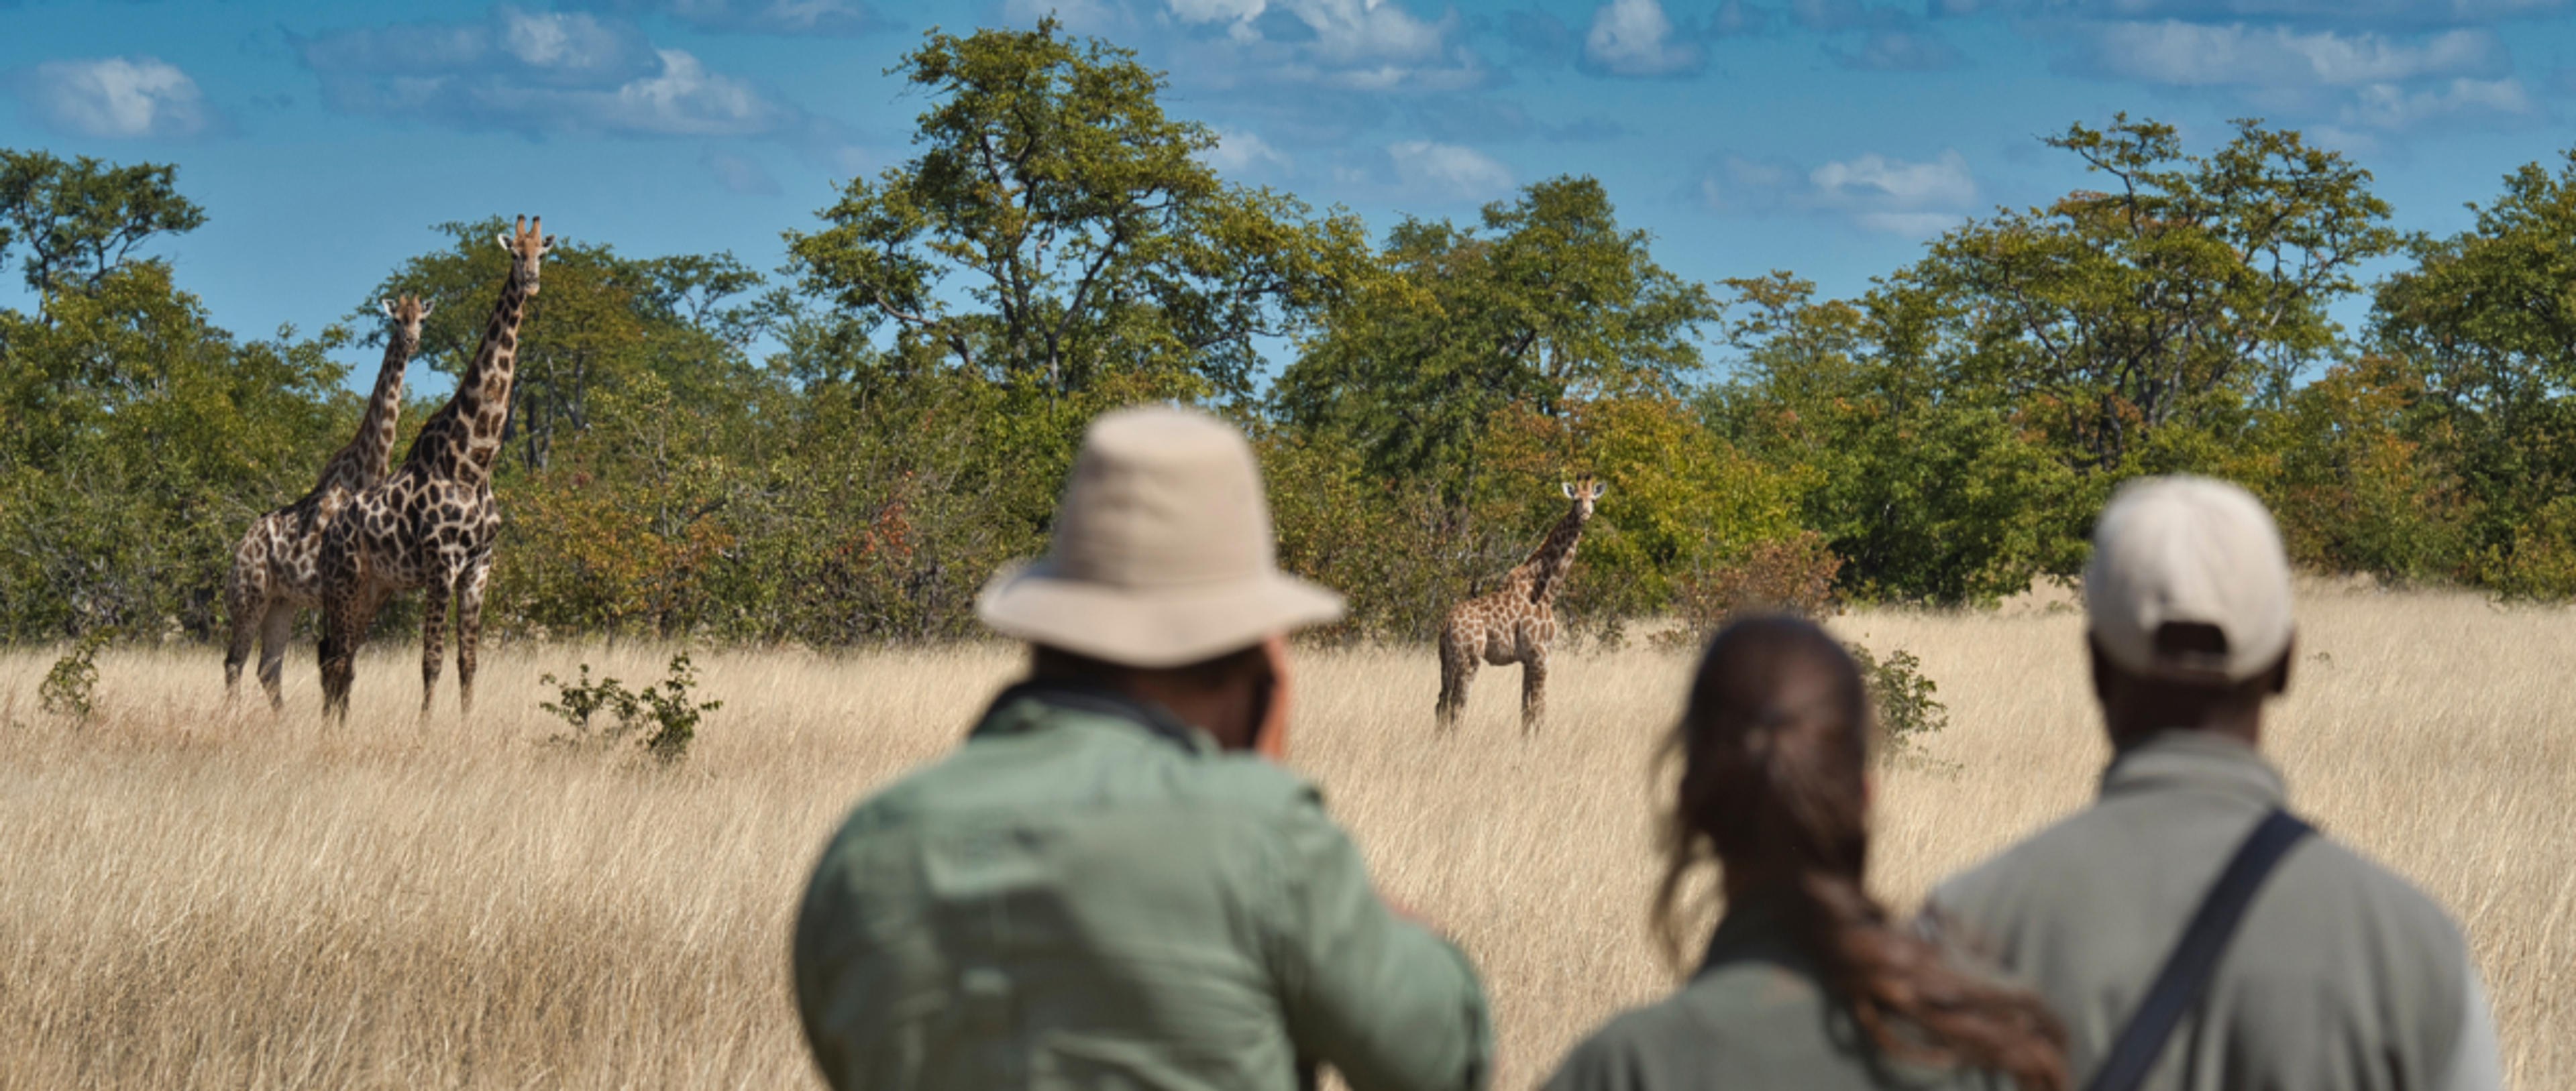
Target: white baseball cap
x,y
2191,550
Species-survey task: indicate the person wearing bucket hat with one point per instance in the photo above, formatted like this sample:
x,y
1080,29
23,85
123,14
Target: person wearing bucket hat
x,y
1113,882
2187,928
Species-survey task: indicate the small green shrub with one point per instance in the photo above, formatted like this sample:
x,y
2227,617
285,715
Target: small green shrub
x,y
667,709
1905,700
71,688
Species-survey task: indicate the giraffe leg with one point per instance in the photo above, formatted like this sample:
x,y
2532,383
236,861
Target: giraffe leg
x,y
433,636
246,602
274,629
1444,712
469,630
1533,689
347,611
1457,671
340,629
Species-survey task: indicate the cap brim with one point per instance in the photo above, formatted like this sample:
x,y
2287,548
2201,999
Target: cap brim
x,y
1149,628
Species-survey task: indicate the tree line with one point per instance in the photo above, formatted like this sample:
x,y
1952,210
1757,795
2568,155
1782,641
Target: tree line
x,y
1058,246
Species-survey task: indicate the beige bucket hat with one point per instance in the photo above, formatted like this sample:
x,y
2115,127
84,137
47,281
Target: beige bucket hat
x,y
2188,549
1162,553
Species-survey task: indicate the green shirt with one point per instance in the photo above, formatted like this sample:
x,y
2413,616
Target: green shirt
x,y
1754,1016
1090,893
2340,976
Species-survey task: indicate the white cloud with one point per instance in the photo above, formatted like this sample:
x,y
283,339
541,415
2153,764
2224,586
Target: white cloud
x,y
1359,45
1448,170
826,18
2195,54
1873,180
1238,151
116,97
2388,106
2349,12
1893,50
1872,191
1635,38
547,72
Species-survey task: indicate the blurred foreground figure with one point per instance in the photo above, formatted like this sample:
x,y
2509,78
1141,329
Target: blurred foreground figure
x,y
1806,984
1112,884
2192,933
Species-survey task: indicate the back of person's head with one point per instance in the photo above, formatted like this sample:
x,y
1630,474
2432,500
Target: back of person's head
x,y
1774,747
2187,606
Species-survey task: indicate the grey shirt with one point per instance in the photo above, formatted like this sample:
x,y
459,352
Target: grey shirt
x,y
2342,975
1755,1015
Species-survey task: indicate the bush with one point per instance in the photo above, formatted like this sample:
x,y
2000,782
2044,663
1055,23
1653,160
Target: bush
x,y
70,689
1904,699
666,708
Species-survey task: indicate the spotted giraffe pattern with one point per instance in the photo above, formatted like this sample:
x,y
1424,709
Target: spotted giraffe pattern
x,y
277,567
431,524
1515,623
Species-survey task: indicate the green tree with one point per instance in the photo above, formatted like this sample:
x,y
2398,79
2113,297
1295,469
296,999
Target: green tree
x,y
1926,491
2193,284
81,220
2486,322
136,442
1058,231
1551,305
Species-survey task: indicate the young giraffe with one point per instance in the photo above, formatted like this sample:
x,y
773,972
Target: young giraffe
x,y
277,568
1517,621
431,524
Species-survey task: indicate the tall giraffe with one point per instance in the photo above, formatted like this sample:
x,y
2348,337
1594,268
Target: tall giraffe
x,y
1516,622
277,568
431,524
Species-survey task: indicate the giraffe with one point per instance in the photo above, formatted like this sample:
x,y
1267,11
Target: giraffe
x,y
1516,622
430,525
277,567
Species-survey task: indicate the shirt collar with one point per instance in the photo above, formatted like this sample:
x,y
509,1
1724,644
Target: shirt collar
x,y
2194,761
1024,707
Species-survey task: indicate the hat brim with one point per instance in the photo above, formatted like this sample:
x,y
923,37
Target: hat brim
x,y
1149,627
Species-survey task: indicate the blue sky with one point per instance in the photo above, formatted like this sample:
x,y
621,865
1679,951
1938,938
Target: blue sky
x,y
1827,137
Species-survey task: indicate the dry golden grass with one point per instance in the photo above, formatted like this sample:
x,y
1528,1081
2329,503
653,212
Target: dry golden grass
x,y
202,898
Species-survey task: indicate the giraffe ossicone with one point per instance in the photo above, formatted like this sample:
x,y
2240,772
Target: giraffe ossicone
x,y
1515,623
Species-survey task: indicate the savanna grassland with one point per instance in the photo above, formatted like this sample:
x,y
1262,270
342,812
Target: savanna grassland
x,y
203,898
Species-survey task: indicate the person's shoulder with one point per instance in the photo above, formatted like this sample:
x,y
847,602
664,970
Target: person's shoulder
x,y
2328,872
1628,1052
2067,846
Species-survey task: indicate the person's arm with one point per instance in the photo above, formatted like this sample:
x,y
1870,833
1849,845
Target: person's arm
x,y
1382,1000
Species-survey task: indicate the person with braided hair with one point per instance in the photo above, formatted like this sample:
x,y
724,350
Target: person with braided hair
x,y
1807,983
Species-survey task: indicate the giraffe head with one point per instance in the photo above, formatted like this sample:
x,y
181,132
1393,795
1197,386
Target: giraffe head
x,y
526,243
407,312
1584,491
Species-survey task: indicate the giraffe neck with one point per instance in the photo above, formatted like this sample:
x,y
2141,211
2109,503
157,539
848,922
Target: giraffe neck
x,y
481,405
369,454
374,446
1544,572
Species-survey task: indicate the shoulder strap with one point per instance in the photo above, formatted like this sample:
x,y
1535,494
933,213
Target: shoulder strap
x,y
2187,970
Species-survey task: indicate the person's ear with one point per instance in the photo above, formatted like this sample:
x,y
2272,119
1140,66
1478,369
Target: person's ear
x,y
2279,682
1270,726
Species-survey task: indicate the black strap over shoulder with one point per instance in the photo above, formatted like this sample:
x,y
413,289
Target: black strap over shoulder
x,y
2187,970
